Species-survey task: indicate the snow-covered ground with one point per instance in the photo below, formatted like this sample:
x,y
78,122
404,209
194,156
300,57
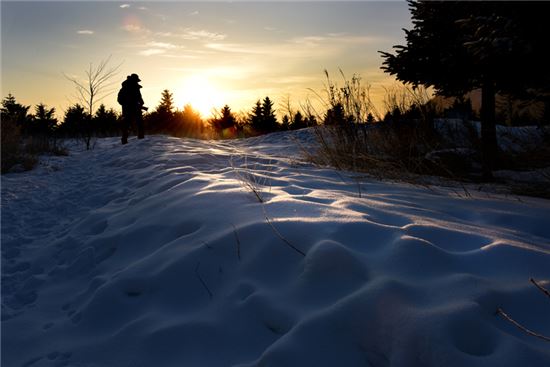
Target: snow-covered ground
x,y
158,253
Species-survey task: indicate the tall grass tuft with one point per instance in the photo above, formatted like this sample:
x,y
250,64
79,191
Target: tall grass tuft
x,y
355,137
21,153
11,140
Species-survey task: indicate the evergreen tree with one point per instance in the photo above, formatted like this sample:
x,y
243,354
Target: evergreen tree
x,y
256,117
458,46
15,112
335,115
225,124
106,121
74,120
166,102
162,119
262,118
43,120
298,121
268,115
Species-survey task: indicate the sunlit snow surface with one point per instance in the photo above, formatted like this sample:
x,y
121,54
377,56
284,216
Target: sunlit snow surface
x,y
157,253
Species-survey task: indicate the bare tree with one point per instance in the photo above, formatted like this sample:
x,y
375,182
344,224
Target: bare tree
x,y
96,85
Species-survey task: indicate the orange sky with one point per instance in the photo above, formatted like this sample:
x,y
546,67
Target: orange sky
x,y
207,54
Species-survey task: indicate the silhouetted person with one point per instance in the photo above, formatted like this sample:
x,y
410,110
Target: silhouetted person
x,y
130,98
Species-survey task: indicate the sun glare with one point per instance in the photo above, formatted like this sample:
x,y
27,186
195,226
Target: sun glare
x,y
202,94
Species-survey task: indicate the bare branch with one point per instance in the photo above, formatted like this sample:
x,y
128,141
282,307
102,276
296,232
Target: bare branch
x,y
97,80
287,242
540,287
520,326
202,281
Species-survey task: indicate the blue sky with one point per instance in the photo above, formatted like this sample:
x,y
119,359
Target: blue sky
x,y
206,53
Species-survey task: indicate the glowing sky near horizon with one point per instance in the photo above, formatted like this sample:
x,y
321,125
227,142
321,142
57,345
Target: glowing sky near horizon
x,y
206,53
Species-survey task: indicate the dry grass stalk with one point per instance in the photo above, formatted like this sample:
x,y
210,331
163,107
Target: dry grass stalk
x,y
501,312
202,281
238,242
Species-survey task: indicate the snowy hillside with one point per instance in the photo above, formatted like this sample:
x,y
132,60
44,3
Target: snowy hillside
x,y
157,253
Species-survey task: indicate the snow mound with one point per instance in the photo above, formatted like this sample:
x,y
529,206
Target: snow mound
x,y
158,253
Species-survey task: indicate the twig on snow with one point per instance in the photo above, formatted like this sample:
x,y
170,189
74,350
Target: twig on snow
x,y
238,242
202,281
287,242
540,287
501,312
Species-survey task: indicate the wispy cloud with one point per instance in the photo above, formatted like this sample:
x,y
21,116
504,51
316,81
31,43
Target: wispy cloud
x,y
85,31
134,28
333,38
158,48
235,48
196,12
203,34
152,52
162,45
124,6
193,34
309,41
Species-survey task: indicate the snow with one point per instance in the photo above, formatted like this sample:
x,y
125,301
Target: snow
x,y
157,253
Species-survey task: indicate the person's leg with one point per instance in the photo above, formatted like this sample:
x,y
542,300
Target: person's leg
x,y
141,132
125,128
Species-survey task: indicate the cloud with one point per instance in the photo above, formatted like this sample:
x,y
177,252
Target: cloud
x,y
165,34
85,31
192,34
124,6
333,38
133,28
309,41
162,45
236,48
152,52
196,12
203,34
158,48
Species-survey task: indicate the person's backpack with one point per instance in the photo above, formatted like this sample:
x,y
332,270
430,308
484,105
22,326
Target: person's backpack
x,y
121,98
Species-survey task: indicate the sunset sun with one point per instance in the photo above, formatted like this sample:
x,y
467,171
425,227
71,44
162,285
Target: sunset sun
x,y
201,93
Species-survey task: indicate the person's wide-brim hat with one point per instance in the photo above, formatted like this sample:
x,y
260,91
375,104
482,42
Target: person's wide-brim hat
x,y
134,77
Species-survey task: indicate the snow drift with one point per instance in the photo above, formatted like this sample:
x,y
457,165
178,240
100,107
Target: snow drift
x,y
158,254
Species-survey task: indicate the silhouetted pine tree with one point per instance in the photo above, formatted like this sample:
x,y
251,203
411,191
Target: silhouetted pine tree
x,y
74,121
262,119
106,121
298,121
458,46
255,118
335,115
268,114
13,111
162,118
225,124
43,121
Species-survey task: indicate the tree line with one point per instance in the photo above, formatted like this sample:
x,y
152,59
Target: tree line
x,y
164,119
